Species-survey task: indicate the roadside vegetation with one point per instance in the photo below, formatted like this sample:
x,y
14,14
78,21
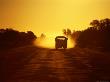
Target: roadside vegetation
x,y
95,37
10,38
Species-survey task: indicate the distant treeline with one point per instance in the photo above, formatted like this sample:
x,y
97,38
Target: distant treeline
x,y
97,36
10,38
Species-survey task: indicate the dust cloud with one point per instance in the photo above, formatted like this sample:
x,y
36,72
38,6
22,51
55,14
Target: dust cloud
x,y
49,42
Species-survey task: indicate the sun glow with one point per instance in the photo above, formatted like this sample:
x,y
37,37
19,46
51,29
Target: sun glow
x,y
51,15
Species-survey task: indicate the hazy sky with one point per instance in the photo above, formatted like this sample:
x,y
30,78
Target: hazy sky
x,y
51,16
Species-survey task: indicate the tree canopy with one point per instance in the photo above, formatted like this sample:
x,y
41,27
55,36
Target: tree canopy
x,y
12,38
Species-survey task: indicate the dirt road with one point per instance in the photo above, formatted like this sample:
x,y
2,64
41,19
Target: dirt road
x,y
31,64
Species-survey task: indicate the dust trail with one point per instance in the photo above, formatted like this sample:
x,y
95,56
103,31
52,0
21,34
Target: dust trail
x,y
49,42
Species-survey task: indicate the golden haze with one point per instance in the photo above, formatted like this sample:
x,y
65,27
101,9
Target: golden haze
x,y
51,16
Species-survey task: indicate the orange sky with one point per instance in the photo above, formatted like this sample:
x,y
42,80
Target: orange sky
x,y
51,16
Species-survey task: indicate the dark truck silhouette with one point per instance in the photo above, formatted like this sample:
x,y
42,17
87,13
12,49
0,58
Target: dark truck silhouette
x,y
61,42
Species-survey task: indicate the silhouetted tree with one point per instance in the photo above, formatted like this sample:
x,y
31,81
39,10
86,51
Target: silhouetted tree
x,y
95,23
97,35
67,32
10,38
75,35
64,31
43,35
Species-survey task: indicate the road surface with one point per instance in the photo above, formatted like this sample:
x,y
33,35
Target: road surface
x,y
31,64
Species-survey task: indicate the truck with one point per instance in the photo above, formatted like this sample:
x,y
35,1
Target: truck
x,y
61,42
